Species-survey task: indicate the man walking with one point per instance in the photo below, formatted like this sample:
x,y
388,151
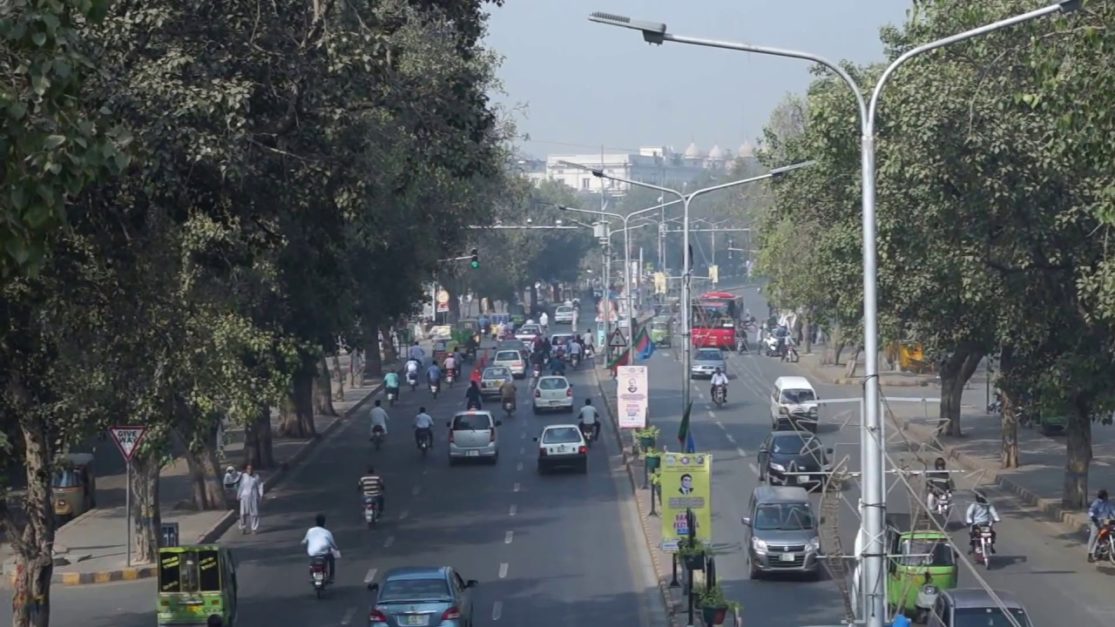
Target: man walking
x,y
250,494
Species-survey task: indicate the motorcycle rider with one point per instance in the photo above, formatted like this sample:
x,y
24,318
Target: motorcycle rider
x,y
379,419
373,486
451,364
575,349
433,375
557,365
391,383
718,379
544,320
937,483
589,416
507,393
590,350
1100,510
320,543
473,396
423,426
980,514
416,353
412,369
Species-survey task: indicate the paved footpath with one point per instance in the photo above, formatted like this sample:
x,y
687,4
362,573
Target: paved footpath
x,y
92,548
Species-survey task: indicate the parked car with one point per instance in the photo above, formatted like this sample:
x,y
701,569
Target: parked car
x,y
473,435
705,363
553,392
562,445
437,597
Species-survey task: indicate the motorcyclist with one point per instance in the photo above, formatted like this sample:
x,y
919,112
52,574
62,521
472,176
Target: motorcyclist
x,y
320,543
507,393
719,378
473,396
379,419
451,364
980,514
544,320
433,375
937,482
557,365
1100,510
391,383
590,350
412,370
423,426
575,349
416,353
373,486
589,416
470,346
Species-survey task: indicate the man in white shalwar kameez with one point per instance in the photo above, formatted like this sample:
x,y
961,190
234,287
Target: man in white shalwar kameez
x,y
250,494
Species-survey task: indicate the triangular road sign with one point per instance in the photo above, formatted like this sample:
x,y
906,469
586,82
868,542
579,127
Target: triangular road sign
x,y
617,340
127,439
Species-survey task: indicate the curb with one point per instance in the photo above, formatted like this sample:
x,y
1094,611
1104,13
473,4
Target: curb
x,y
914,381
672,616
226,521
1073,522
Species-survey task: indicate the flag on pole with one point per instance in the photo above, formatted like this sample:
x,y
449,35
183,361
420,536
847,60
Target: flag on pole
x,y
643,346
685,435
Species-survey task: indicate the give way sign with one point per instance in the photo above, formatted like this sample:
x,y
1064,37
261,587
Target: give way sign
x,y
128,438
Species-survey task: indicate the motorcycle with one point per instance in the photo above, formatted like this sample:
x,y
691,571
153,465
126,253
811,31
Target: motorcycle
x,y
1105,542
377,436
588,433
392,394
719,395
434,387
984,546
788,352
425,442
508,408
412,380
771,346
536,373
942,504
371,511
319,574
450,377
575,359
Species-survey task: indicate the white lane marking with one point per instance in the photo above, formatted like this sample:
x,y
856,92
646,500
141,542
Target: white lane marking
x,y
522,450
516,487
520,466
424,470
371,576
416,490
388,542
503,570
754,468
514,510
497,610
711,414
508,536
730,438
348,616
522,436
403,514
742,453
721,425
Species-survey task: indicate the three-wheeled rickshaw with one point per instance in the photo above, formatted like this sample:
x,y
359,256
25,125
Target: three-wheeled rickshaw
x,y
196,582
75,486
921,564
661,330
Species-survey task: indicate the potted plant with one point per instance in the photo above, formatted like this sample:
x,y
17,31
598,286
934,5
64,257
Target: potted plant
x,y
646,437
714,607
692,553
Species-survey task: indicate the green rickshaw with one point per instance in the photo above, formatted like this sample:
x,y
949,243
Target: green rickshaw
x,y
466,329
661,330
195,582
921,564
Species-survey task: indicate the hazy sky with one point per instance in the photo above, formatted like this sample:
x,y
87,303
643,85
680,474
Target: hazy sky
x,y
570,81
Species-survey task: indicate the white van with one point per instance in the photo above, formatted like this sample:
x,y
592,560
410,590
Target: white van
x,y
793,404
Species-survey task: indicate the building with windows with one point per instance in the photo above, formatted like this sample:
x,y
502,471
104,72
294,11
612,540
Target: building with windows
x,y
655,164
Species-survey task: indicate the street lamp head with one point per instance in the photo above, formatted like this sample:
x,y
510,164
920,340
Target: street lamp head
x,y
653,32
790,168
595,171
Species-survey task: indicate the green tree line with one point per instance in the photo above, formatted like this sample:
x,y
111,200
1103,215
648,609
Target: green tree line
x,y
198,199
995,204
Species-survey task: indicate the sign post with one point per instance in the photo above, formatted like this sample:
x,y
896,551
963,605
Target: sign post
x,y
128,439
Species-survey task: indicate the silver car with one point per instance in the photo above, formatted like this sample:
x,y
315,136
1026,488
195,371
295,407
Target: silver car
x,y
782,532
513,360
472,435
426,596
705,363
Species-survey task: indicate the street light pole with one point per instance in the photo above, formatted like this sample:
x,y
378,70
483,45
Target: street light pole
x,y
874,498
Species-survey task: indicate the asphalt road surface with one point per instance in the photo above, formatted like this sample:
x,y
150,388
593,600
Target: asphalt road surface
x,y
559,550
1045,569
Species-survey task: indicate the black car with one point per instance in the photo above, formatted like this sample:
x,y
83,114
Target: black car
x,y
794,458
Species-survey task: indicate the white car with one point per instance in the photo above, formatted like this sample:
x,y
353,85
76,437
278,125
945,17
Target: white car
x,y
563,314
562,445
512,359
553,392
527,333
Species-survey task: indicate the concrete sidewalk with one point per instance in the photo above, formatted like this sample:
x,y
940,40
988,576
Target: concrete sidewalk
x,y
837,375
92,548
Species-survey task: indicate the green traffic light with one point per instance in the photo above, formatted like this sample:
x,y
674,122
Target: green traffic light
x,y
474,264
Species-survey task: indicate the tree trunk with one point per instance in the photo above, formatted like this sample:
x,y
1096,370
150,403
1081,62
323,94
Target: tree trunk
x,y
1009,456
373,359
807,326
290,426
388,354
340,376
206,490
1079,456
534,299
257,440
296,413
145,515
837,348
853,363
323,390
34,539
955,371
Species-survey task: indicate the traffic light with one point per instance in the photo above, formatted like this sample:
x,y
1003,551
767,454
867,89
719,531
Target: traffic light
x,y
475,263
731,244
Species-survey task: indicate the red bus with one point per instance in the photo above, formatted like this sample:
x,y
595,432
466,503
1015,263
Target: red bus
x,y
715,316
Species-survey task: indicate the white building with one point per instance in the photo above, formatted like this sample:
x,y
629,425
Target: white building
x,y
653,164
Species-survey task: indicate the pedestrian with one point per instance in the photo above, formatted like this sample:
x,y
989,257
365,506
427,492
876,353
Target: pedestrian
x,y
250,494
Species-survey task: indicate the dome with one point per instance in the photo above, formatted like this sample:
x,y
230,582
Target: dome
x,y
746,150
716,154
692,152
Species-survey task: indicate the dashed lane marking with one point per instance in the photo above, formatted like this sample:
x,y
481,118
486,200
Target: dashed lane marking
x,y
503,570
730,438
349,613
516,487
514,510
371,576
403,514
520,466
721,425
388,542
742,453
754,468
507,537
497,610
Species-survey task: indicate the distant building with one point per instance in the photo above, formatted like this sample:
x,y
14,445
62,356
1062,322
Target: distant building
x,y
653,164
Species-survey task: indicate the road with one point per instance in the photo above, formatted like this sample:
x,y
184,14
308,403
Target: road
x,y
560,550
1042,567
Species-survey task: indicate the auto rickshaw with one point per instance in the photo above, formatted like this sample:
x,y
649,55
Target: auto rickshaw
x,y
466,329
75,486
921,564
661,330
441,351
195,582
